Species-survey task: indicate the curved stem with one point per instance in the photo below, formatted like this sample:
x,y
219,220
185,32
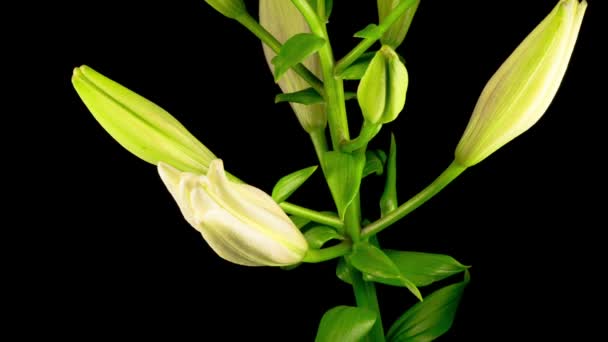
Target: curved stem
x,y
447,176
363,45
329,220
270,41
324,254
365,295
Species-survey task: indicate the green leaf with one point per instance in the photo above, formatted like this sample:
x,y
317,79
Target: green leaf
x,y
317,236
374,162
350,95
329,4
299,221
306,96
377,266
356,70
425,268
343,172
290,183
345,324
371,31
294,51
430,319
343,272
388,200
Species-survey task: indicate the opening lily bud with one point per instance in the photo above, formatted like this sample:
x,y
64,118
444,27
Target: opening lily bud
x,y
229,8
394,36
283,20
241,223
521,90
140,126
381,92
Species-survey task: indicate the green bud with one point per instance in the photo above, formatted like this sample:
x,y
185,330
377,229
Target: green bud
x,y
521,90
140,126
381,92
229,8
283,20
394,36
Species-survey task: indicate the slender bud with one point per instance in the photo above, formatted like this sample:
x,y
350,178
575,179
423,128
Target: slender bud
x,y
140,126
241,223
394,36
283,20
521,90
229,8
381,92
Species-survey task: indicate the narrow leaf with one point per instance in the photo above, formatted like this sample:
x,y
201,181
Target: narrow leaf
x,y
345,324
294,51
377,266
430,319
290,183
299,221
306,96
343,172
356,70
343,272
350,95
388,200
370,31
317,236
374,162
425,268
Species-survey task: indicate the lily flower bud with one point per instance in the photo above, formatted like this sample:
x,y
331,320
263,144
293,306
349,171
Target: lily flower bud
x,y
521,90
229,8
394,36
241,223
283,20
381,92
140,126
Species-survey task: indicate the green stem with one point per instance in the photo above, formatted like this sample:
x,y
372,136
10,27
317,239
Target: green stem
x,y
363,45
352,219
270,41
334,88
367,133
324,254
320,143
447,176
365,295
329,220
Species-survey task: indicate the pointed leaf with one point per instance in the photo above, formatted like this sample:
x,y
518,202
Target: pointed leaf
x,y
430,319
377,266
371,31
299,221
425,268
290,183
388,200
294,51
306,96
345,324
343,172
356,70
317,236
374,162
343,272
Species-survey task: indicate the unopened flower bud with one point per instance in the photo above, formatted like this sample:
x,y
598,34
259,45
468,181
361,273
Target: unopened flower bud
x,y
229,8
521,90
394,36
241,223
283,20
140,126
381,92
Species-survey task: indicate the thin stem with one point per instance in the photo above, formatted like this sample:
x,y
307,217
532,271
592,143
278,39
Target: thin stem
x,y
324,254
329,220
365,44
334,88
365,295
447,176
367,133
352,219
270,41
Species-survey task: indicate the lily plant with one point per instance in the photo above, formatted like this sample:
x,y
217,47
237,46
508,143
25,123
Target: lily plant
x,y
247,226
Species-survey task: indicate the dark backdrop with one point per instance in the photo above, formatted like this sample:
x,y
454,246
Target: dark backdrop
x,y
106,252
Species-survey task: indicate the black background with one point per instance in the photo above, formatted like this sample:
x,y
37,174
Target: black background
x,y
102,249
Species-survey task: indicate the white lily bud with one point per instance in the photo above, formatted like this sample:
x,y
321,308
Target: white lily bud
x,y
241,223
140,126
521,90
283,20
